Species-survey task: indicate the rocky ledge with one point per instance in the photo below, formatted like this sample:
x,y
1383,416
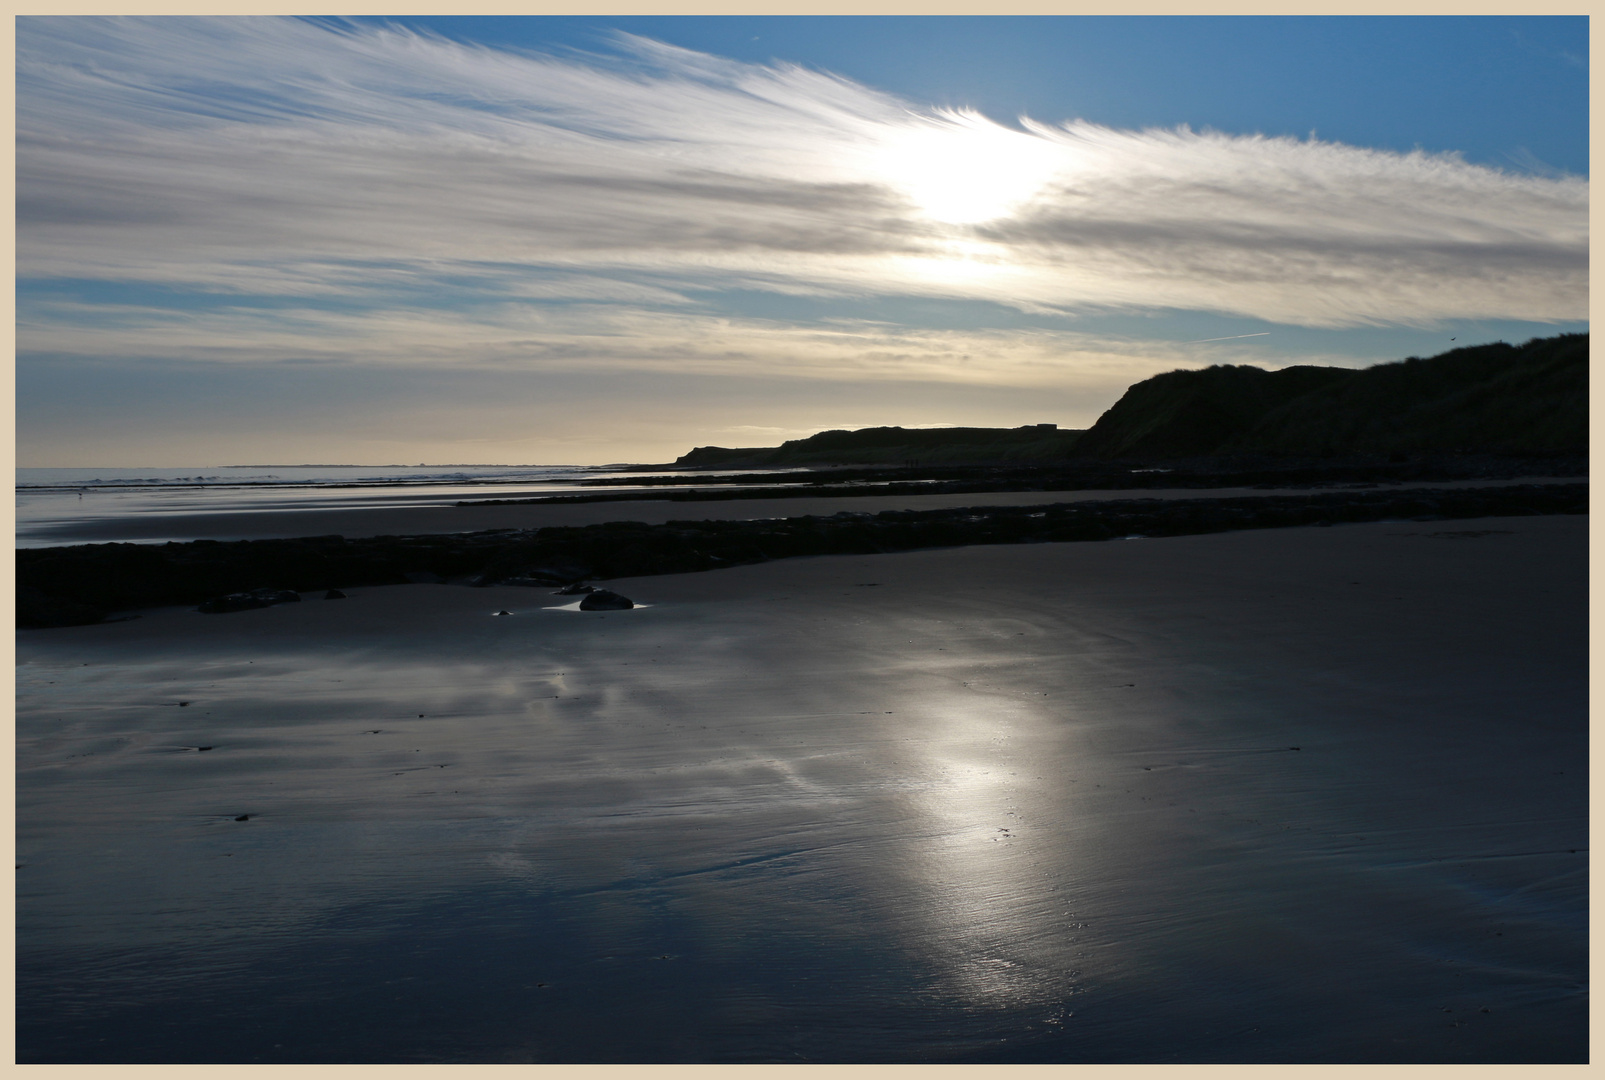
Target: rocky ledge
x,y
68,586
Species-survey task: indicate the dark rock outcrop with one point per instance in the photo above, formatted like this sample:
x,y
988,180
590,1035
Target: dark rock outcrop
x,y
69,585
244,601
562,571
35,608
605,600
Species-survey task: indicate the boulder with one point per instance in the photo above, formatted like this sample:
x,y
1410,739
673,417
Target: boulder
x,y
605,600
334,594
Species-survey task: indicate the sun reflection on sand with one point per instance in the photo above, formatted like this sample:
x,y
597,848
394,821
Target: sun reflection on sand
x,y
933,819
983,890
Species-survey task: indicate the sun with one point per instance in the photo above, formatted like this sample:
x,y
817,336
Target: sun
x,y
962,169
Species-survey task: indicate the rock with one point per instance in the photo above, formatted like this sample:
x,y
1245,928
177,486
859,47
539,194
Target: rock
x,y
81,584
605,600
564,570
243,817
504,611
575,589
38,609
334,594
256,598
232,602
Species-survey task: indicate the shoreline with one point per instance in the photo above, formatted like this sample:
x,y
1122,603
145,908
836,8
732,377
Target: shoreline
x,y
85,584
448,517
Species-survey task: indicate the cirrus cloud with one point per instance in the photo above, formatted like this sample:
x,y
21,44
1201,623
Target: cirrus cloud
x,y
283,157
598,337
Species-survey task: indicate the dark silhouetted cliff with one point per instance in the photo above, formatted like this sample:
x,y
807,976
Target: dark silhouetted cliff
x,y
896,446
1497,398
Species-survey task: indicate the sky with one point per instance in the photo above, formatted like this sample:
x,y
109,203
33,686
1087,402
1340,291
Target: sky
x,y
586,240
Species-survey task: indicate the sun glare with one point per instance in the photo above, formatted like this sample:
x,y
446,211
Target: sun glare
x,y
960,263
963,168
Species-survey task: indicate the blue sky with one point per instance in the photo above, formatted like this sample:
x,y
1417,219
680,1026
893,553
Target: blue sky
x,y
1495,90
587,239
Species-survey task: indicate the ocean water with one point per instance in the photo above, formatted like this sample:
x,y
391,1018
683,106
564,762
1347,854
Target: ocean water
x,y
48,500
94,477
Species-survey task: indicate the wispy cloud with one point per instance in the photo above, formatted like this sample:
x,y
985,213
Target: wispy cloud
x,y
292,158
593,337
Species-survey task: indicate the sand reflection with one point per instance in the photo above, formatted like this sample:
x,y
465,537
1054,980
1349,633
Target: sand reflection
x,y
977,894
788,814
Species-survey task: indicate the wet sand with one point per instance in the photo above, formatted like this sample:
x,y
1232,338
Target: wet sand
x,y
1025,803
242,517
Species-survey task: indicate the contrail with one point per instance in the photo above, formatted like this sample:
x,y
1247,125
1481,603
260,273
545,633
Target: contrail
x,y
1234,337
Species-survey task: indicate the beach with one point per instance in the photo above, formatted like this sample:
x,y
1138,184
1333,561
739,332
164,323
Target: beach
x,y
1281,795
164,514
641,539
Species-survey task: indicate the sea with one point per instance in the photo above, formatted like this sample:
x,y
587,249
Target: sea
x,y
47,499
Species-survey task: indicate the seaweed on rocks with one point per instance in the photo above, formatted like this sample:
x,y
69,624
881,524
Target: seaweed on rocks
x,y
66,586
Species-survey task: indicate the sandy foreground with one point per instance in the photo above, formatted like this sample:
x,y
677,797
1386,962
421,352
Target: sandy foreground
x,y
1281,795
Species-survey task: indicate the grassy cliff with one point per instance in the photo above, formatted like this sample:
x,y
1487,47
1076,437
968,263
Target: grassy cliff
x,y
1496,398
897,446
